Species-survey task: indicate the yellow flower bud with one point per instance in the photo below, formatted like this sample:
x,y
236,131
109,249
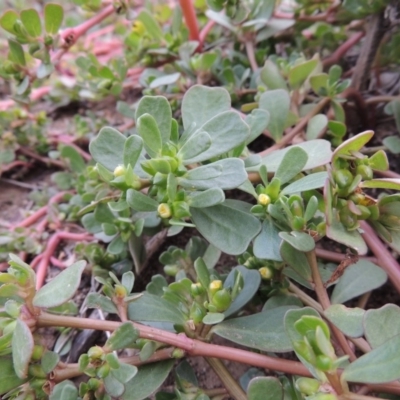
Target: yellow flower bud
x,y
164,210
263,199
265,273
215,285
119,171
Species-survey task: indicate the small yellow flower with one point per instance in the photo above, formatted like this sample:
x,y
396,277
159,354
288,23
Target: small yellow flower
x,y
263,199
265,273
164,210
138,28
119,171
216,285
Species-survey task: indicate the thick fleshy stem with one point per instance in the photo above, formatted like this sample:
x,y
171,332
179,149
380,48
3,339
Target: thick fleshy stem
x,y
189,13
195,347
50,249
385,259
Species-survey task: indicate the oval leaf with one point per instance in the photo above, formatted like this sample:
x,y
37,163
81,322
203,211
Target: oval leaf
x,y
53,17
348,320
265,388
299,240
61,288
22,348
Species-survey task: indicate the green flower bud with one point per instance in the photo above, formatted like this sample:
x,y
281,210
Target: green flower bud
x,y
323,362
365,212
48,40
95,353
343,178
273,189
197,289
298,223
37,384
197,313
263,199
178,353
93,384
33,48
307,386
365,171
348,219
222,300
105,84
120,291
9,67
375,213
37,371
180,209
164,210
37,353
171,269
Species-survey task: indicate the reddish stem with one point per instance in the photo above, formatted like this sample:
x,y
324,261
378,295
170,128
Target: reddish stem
x,y
338,257
50,249
385,258
205,31
189,13
39,213
338,54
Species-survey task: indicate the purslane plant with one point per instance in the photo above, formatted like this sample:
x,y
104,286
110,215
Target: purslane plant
x,y
174,170
172,177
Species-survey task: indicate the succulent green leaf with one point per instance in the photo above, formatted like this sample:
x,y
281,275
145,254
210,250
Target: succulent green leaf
x,y
125,372
309,182
53,17
319,153
140,202
297,260
299,73
132,149
154,308
356,143
227,131
356,280
113,386
65,390
201,103
194,146
382,324
281,300
316,126
107,148
380,365
148,130
384,183
266,244
7,21
299,240
218,224
265,388
338,232
158,107
8,378
291,317
277,103
16,53
258,122
163,80
271,77
31,20
97,300
61,288
379,161
319,82
49,361
76,161
251,283
263,331
124,336
213,318
228,173
293,163
151,25
348,320
392,143
148,379
207,198
22,348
